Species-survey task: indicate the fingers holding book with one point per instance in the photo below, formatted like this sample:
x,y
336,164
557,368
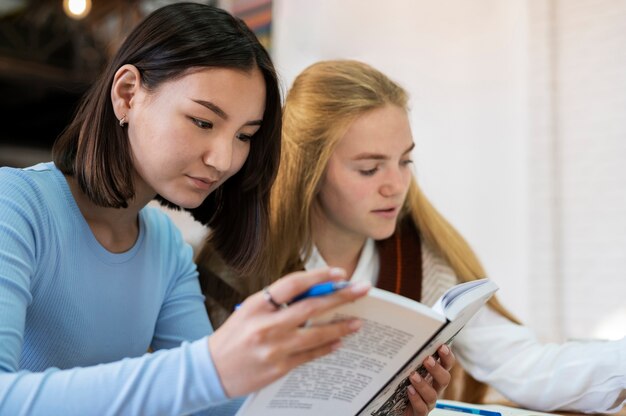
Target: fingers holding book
x,y
424,390
440,371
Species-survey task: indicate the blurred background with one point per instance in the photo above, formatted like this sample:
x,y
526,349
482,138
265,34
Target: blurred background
x,y
518,112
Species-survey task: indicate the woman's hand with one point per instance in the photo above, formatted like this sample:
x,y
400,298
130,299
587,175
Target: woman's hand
x,y
260,342
423,392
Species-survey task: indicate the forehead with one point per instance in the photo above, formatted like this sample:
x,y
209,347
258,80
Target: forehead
x,y
385,130
233,89
224,77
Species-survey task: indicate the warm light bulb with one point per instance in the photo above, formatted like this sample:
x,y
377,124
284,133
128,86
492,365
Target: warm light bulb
x,y
77,9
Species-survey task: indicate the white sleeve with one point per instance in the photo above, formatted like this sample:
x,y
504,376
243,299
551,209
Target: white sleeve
x,y
576,376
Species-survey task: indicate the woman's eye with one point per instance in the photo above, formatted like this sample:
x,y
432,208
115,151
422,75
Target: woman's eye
x,y
205,125
368,172
244,137
406,162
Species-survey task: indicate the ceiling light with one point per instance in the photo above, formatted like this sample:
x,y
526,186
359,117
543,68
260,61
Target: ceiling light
x,y
77,9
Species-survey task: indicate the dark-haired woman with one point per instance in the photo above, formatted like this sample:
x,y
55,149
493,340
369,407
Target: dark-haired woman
x,y
187,111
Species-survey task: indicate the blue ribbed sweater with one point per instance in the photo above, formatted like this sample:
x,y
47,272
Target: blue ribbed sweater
x,y
76,320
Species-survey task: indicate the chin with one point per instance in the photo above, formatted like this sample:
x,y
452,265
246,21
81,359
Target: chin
x,y
383,234
186,202
190,206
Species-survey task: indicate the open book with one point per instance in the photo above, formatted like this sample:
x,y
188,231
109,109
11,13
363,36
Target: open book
x,y
368,374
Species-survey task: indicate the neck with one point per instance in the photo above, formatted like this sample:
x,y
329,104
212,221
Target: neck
x,y
338,249
116,229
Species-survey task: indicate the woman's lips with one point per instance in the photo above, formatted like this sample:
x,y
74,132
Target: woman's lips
x,y
386,212
202,183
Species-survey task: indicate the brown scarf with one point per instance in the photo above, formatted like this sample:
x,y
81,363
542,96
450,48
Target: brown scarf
x,y
401,262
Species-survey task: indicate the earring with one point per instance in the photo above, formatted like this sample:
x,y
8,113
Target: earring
x,y
123,120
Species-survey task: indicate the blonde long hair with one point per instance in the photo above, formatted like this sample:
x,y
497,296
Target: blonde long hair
x,y
322,103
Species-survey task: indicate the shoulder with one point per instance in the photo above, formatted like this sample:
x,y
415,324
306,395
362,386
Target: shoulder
x,y
157,217
160,226
193,232
164,239
31,200
437,275
31,191
28,180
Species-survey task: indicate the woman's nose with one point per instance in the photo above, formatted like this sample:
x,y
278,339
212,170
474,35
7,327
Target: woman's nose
x,y
219,153
393,183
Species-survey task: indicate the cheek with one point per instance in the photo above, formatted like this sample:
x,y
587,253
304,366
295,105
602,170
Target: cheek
x,y
357,191
337,207
343,196
147,134
343,192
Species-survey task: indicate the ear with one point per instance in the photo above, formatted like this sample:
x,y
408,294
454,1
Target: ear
x,y
126,84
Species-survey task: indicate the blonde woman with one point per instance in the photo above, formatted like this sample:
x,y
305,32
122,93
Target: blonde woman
x,y
345,195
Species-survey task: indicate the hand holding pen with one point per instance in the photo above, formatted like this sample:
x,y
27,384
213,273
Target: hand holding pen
x,y
263,340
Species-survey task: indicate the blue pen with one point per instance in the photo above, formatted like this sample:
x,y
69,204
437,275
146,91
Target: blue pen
x,y
319,289
474,411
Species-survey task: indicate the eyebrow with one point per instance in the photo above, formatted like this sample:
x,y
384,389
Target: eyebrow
x,y
221,113
378,156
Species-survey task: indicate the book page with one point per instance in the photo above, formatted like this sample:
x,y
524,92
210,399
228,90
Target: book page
x,y
341,383
456,300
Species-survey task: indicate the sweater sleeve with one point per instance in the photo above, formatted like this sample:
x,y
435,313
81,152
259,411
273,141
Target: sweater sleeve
x,y
181,380
174,382
575,376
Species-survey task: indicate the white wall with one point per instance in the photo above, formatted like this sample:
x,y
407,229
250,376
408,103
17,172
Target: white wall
x,y
578,177
592,135
464,64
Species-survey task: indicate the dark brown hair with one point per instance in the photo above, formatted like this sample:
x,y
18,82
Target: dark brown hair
x,y
163,47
